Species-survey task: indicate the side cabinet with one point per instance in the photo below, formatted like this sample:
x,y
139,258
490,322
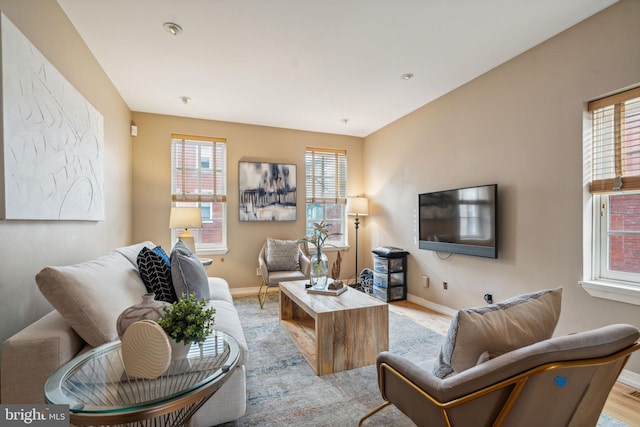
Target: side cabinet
x,y
390,278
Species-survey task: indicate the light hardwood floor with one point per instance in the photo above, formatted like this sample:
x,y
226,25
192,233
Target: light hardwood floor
x,y
623,402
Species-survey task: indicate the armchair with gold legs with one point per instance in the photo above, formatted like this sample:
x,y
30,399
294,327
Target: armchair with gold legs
x,y
281,261
562,381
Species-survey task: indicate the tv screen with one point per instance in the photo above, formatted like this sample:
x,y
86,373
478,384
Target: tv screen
x,y
461,221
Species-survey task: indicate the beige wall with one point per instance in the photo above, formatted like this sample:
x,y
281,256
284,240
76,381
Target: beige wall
x,y
519,125
152,185
28,246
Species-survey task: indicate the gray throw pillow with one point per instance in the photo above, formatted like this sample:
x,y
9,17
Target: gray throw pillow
x,y
188,275
182,248
282,255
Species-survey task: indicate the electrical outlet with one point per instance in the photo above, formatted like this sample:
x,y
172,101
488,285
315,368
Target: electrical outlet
x,y
425,281
258,272
445,285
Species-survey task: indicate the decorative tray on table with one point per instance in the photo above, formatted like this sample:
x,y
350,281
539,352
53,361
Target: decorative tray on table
x,y
327,291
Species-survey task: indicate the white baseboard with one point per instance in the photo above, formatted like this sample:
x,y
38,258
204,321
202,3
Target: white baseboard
x,y
432,305
630,378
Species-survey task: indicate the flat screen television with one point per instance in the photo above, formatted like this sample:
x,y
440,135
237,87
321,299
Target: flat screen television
x,y
462,221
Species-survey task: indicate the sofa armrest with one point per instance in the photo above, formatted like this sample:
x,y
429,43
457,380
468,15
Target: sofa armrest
x,y
219,289
305,263
30,356
412,372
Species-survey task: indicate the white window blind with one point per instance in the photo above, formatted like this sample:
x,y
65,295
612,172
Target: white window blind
x,y
616,142
326,176
326,191
198,169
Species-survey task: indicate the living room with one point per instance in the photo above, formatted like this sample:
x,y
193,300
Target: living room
x,y
518,125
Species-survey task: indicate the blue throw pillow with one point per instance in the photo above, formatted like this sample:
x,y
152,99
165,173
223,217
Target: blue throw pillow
x,y
155,272
159,251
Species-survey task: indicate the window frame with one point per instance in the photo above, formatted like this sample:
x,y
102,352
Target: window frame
x,y
598,279
217,171
326,189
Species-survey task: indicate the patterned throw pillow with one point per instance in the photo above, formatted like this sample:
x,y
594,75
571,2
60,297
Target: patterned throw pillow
x,y
478,334
155,272
282,255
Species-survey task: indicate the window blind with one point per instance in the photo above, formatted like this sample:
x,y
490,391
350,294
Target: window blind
x,y
326,175
615,137
198,169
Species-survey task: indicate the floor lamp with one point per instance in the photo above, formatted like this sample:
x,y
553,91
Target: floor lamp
x,y
357,206
186,218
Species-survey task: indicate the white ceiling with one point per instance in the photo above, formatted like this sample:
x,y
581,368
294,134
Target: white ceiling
x,y
309,64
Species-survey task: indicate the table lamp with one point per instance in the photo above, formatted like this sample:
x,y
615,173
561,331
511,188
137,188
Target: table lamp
x,y
357,206
186,218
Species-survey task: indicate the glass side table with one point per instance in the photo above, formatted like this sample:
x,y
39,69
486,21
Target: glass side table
x,y
98,390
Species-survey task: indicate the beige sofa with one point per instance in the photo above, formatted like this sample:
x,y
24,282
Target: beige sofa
x,y
88,298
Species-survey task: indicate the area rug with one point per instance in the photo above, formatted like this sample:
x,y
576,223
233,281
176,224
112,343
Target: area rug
x,y
283,390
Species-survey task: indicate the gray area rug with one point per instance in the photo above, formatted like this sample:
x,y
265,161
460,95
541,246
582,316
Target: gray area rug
x,y
282,390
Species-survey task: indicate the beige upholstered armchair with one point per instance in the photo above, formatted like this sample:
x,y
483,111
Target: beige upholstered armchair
x,y
562,381
280,261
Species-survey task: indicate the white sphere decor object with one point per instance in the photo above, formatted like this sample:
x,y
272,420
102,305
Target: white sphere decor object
x,y
146,351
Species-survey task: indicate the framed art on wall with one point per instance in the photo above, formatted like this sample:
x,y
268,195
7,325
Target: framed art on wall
x,y
268,191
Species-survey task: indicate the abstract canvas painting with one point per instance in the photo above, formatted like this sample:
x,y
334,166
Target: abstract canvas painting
x,y
52,139
267,191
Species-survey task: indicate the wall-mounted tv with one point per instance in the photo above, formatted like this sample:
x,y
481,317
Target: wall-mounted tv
x,y
462,221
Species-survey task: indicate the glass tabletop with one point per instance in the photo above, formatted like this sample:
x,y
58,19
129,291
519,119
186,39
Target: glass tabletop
x,y
97,381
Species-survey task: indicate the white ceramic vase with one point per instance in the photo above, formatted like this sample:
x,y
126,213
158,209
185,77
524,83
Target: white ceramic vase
x,y
179,350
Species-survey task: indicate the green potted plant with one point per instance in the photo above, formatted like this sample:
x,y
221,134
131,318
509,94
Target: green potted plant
x,y
187,321
319,271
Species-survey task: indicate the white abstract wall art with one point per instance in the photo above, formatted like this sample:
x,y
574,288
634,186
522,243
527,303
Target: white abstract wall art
x,y
52,139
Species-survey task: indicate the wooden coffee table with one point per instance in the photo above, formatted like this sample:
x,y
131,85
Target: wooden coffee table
x,y
334,333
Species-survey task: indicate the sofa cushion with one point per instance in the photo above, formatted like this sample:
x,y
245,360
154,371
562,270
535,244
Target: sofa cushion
x,y
91,295
227,320
282,255
188,275
155,271
478,334
131,252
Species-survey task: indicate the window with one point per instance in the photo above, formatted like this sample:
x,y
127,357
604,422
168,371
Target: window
x,y
326,185
199,179
614,153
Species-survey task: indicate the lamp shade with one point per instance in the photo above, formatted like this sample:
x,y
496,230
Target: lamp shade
x,y
185,218
358,206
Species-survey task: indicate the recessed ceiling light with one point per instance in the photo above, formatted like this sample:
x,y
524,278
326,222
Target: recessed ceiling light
x,y
407,76
173,29
185,99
